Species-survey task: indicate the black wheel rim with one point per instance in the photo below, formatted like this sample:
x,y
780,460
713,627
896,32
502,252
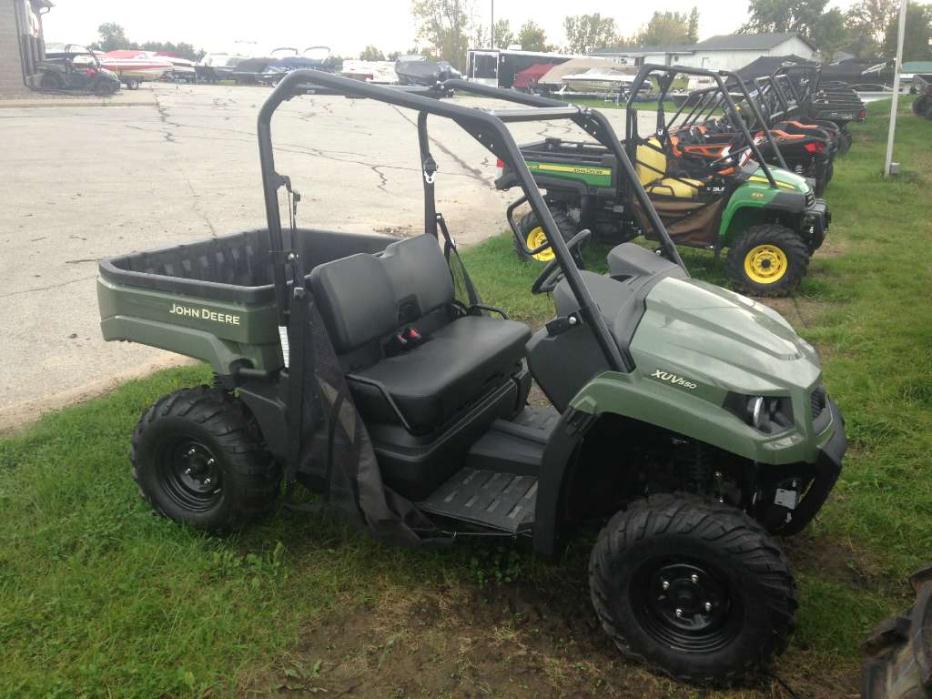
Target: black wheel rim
x,y
190,475
686,605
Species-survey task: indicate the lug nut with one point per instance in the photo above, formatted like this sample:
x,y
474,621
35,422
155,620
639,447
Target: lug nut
x,y
694,579
192,451
187,472
206,481
708,606
679,613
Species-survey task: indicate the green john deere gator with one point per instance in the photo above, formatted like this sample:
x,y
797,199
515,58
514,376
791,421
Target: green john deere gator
x,y
768,219
687,425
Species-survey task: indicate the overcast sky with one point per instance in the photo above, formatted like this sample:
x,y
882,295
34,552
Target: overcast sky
x,y
346,26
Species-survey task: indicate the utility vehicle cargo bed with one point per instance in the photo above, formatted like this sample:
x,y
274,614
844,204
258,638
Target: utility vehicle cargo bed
x,y
213,300
233,268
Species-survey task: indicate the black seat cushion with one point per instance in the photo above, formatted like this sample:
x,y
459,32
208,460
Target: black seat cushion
x,y
457,364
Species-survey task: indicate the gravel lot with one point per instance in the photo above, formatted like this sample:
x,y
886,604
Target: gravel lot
x,y
88,182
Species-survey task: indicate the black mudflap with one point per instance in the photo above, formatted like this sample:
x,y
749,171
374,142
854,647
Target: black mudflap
x,y
503,501
898,662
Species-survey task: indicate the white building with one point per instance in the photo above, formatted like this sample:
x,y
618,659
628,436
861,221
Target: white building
x,y
725,52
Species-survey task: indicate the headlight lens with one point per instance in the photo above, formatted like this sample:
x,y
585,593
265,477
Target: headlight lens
x,y
768,414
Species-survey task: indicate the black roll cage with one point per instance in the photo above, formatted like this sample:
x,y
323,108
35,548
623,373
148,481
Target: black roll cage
x,y
718,96
488,127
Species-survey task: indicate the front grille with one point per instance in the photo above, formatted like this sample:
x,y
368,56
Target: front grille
x,y
818,402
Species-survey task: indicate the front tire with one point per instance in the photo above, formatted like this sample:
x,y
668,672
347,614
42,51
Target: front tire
x,y
767,260
198,459
131,84
692,587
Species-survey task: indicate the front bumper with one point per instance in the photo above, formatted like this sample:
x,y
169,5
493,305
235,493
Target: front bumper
x,y
815,222
826,470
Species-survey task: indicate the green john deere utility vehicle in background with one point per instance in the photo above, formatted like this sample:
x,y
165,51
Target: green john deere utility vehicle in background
x,y
687,426
767,218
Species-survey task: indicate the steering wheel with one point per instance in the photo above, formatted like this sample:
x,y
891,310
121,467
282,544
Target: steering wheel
x,y
552,272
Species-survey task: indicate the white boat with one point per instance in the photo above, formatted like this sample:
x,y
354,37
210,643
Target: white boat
x,y
134,67
597,80
381,72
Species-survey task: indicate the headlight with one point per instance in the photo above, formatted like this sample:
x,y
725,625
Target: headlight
x,y
768,414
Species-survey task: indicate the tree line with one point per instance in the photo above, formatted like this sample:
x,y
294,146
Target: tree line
x,y
446,30
113,37
867,30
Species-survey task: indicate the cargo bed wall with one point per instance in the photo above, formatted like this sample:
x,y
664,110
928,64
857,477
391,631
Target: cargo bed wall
x,y
211,300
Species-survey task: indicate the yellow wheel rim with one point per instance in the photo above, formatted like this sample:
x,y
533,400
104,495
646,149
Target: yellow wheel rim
x,y
765,264
535,239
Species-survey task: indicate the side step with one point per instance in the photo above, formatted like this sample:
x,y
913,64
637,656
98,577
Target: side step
x,y
504,501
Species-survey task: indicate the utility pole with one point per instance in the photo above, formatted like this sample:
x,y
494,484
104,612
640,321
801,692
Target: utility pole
x,y
888,166
492,30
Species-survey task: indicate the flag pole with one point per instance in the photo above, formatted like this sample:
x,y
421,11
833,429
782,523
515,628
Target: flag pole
x,y
891,132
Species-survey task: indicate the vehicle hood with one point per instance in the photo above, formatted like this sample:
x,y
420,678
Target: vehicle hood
x,y
721,340
786,181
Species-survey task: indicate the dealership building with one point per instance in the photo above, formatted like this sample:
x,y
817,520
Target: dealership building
x,y
21,43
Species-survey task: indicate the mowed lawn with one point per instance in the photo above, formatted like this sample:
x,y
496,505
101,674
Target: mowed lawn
x,y
98,597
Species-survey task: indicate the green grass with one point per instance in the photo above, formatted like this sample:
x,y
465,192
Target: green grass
x,y
99,597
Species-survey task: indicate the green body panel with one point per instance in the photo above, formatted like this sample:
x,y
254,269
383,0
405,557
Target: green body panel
x,y
696,343
756,193
592,175
212,331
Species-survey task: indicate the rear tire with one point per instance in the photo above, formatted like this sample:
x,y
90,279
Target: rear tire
x,y
767,260
51,81
531,231
198,459
844,141
131,84
692,587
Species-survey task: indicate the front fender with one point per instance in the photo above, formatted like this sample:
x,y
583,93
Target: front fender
x,y
692,414
751,202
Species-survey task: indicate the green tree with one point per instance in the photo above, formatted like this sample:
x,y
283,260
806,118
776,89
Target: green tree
x,y
371,53
112,37
334,63
585,33
503,36
444,25
799,16
666,28
532,37
182,49
917,37
480,37
830,34
692,29
867,22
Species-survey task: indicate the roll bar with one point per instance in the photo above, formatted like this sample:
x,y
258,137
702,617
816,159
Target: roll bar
x,y
669,72
488,128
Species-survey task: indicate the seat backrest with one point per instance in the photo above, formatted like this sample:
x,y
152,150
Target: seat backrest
x,y
366,297
419,275
651,162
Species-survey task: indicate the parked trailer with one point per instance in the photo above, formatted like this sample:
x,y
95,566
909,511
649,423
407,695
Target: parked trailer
x,y
498,67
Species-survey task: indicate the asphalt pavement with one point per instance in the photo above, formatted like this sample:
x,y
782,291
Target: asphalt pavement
x,y
87,182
